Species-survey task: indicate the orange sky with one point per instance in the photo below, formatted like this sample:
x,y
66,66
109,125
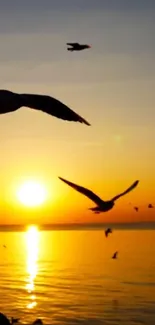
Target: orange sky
x,y
111,85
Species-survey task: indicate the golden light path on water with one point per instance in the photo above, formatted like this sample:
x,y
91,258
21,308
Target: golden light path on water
x,y
32,246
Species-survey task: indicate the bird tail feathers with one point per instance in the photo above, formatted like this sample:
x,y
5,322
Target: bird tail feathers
x,y
95,210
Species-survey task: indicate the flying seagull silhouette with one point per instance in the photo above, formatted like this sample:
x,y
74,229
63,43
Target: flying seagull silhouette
x,y
10,101
77,47
37,322
115,255
150,206
14,320
108,231
102,206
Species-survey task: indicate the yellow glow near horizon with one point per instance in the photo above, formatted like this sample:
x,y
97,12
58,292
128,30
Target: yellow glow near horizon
x,y
31,193
32,243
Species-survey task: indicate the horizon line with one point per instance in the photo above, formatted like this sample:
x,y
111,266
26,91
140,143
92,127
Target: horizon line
x,y
80,226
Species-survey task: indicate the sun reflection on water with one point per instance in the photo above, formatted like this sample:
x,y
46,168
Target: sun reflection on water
x,y
32,245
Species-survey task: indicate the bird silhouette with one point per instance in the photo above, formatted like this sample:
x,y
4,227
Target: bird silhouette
x,y
115,255
150,206
102,206
10,101
14,320
37,322
108,231
136,209
77,47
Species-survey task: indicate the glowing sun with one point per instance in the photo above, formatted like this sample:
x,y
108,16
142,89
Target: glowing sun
x,y
31,193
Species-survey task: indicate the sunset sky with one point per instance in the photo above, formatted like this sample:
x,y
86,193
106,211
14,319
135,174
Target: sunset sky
x,y
111,85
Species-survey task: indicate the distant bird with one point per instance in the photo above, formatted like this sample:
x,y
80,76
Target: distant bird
x,y
136,209
10,101
77,47
14,320
150,206
102,206
37,322
108,231
115,255
4,320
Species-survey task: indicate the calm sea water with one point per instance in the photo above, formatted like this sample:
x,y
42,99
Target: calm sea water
x,y
68,277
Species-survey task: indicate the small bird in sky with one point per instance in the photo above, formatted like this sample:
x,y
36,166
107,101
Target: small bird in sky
x,y
10,101
14,320
115,255
102,206
136,209
150,206
37,322
77,47
108,231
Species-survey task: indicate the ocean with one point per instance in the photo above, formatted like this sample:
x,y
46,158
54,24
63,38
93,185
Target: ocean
x,y
69,277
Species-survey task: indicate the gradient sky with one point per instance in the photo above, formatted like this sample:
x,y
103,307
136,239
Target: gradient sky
x,y
111,85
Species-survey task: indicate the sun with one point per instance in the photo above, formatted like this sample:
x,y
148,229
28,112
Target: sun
x,y
31,193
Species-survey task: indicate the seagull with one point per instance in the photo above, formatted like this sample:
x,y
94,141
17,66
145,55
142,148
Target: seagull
x,y
115,255
14,320
136,209
150,206
77,47
10,101
102,206
37,322
108,231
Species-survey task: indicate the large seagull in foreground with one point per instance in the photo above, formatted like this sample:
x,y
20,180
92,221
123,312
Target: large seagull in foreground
x,y
102,206
10,101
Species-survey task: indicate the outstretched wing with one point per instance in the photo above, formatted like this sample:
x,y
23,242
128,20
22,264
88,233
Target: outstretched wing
x,y
51,106
92,196
9,101
125,192
73,44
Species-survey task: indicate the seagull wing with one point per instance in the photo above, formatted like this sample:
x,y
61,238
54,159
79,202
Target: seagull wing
x,y
51,106
125,192
73,44
92,196
9,101
115,255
